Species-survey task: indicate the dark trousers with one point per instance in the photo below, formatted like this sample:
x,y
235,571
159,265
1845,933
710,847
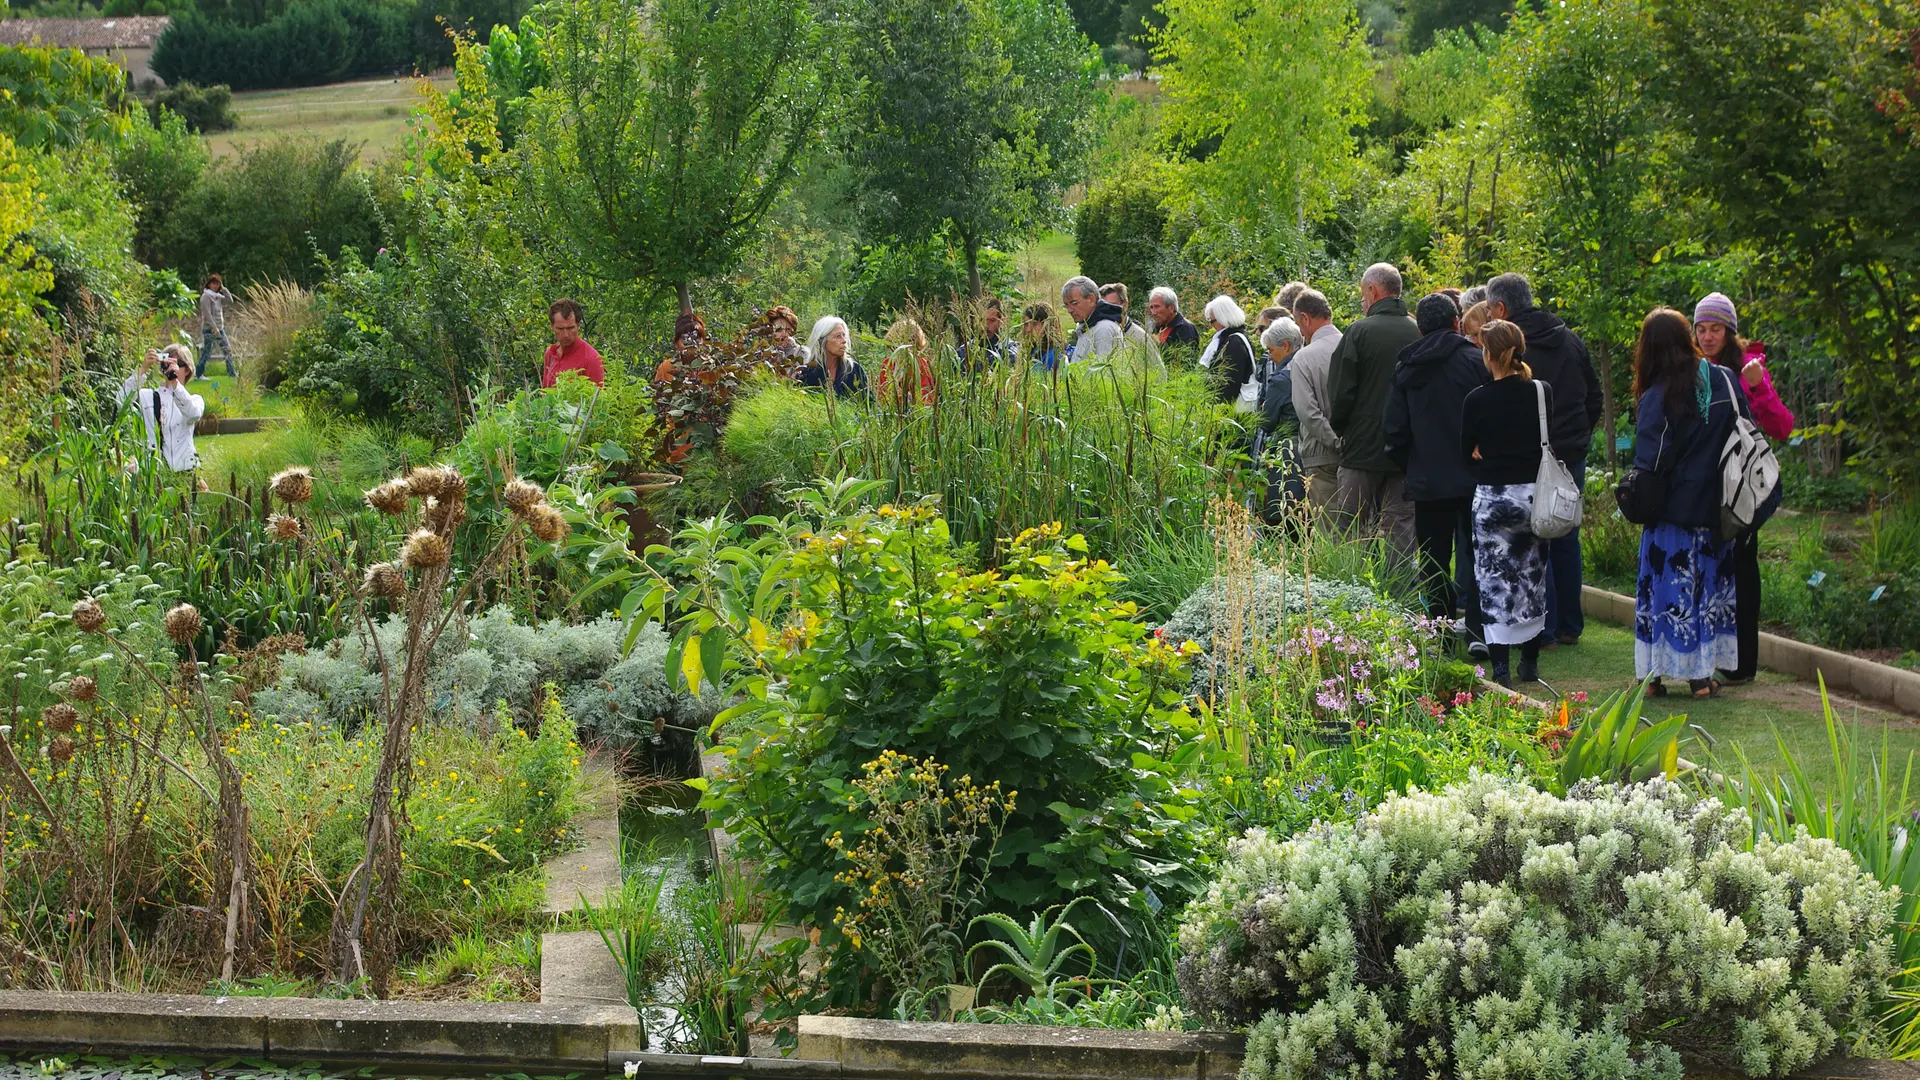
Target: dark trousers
x,y
1564,617
1746,604
1437,531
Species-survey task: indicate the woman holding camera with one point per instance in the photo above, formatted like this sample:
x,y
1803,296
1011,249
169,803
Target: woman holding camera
x,y
168,411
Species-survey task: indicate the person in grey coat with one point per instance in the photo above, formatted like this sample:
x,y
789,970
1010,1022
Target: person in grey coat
x,y
1319,447
214,299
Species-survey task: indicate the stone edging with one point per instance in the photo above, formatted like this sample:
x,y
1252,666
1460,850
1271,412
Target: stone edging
x,y
514,1035
892,1048
1863,678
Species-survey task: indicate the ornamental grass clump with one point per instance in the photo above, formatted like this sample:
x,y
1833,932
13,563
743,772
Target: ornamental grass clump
x,y
1494,930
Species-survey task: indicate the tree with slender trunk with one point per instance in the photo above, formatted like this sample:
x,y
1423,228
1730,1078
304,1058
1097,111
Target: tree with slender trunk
x,y
974,119
668,128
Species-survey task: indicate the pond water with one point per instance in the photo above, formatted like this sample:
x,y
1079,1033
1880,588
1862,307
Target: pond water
x,y
662,832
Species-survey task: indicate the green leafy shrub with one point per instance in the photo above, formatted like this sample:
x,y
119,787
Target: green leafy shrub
x,y
778,436
1030,676
204,108
884,276
1496,930
263,213
1118,230
1273,597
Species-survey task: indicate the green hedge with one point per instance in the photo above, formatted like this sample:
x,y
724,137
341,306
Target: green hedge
x,y
320,41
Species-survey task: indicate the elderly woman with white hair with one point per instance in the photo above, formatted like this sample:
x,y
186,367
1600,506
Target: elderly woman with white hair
x,y
830,348
1279,425
1230,355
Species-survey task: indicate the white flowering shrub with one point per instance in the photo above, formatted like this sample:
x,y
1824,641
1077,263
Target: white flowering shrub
x,y
615,700
1493,930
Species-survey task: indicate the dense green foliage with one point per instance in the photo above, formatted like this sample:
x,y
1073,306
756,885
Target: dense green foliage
x,y
971,121
1119,231
204,108
318,41
1030,676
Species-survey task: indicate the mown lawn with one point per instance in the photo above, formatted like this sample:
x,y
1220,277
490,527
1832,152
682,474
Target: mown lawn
x,y
372,112
1743,719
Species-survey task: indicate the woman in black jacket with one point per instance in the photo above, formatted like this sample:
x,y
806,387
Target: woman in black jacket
x,y
1500,436
1684,605
1430,387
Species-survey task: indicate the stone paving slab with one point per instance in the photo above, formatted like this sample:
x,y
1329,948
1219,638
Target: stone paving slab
x,y
576,968
593,870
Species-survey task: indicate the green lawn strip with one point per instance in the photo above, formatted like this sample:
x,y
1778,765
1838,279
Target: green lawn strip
x,y
1047,263
372,112
1743,717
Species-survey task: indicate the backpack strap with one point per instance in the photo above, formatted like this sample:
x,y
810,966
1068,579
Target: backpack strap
x,y
159,429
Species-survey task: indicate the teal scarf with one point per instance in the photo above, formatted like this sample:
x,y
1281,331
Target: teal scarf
x,y
1703,388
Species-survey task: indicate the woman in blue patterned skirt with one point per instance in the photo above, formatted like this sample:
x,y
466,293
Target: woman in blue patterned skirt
x,y
1683,612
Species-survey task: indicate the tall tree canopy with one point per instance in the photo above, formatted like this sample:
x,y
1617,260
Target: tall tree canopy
x,y
974,118
1267,99
669,127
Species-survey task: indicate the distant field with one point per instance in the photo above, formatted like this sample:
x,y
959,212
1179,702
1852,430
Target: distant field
x,y
1046,264
373,112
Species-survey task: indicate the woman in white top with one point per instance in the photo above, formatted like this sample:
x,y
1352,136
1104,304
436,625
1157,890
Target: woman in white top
x,y
168,411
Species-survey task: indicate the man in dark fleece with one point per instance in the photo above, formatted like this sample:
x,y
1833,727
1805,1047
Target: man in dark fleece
x,y
1557,355
1370,485
1431,381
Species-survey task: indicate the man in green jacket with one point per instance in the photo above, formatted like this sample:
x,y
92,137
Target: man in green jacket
x,y
1371,490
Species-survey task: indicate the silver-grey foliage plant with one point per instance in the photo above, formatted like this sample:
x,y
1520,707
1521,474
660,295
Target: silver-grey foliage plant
x,y
1493,930
615,700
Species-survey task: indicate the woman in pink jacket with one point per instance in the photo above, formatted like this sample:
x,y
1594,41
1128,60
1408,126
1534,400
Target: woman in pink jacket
x,y
1716,329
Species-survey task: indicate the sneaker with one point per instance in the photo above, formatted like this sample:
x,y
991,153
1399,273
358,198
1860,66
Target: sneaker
x,y
1477,650
1460,626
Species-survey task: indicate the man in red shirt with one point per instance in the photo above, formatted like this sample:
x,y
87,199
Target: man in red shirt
x,y
568,352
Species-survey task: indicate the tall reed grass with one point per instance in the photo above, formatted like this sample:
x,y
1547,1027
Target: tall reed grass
x,y
1113,449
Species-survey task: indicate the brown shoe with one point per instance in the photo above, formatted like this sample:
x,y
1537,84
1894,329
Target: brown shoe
x,y
1567,639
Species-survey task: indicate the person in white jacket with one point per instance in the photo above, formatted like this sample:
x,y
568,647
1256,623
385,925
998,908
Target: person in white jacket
x,y
168,410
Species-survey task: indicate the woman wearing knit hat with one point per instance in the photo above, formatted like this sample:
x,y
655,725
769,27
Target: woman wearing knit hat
x,y
1716,330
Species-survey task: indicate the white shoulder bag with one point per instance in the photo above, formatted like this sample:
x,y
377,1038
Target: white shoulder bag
x,y
1556,498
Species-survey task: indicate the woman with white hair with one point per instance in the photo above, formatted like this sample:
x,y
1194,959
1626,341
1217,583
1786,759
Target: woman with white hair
x,y
1274,442
1231,353
831,348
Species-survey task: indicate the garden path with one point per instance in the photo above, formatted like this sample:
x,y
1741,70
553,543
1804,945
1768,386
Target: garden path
x,y
1743,719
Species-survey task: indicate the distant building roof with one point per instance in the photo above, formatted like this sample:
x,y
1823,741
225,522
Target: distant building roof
x,y
129,32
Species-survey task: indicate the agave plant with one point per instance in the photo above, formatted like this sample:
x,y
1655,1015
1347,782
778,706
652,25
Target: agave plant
x,y
1035,955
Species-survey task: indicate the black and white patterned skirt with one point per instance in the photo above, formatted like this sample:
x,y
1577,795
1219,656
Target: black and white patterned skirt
x,y
1509,564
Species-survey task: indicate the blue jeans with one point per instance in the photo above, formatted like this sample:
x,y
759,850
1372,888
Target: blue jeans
x,y
209,335
1564,617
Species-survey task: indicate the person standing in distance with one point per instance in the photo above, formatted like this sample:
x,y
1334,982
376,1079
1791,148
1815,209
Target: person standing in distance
x,y
1099,320
568,351
168,411
214,299
1313,398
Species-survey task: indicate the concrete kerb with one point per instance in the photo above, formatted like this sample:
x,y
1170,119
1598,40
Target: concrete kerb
x,y
891,1048
1880,683
468,1034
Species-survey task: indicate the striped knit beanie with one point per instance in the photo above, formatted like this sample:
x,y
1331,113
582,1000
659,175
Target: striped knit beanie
x,y
1717,308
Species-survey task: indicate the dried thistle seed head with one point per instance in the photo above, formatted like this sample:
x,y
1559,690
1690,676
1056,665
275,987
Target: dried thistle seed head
x,y
521,496
384,579
389,498
293,485
425,549
82,688
548,524
426,480
61,750
453,485
284,527
60,717
89,616
444,514
189,672
183,624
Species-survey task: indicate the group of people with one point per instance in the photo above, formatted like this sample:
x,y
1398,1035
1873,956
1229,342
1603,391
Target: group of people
x,y
1429,427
